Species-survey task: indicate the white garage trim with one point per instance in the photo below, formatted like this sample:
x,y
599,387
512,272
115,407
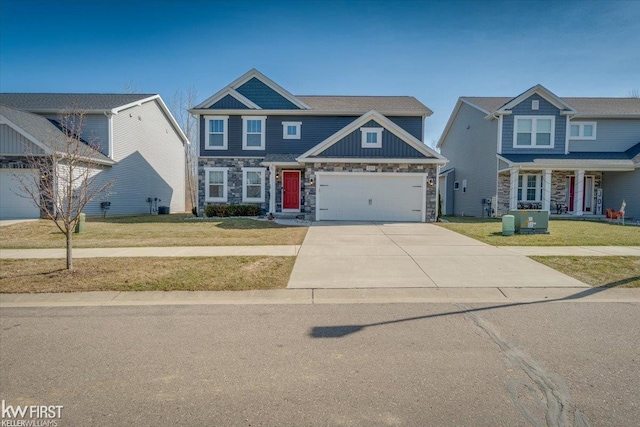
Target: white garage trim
x,y
423,180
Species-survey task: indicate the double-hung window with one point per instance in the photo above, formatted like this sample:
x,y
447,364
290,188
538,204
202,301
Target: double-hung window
x,y
291,130
253,184
533,131
253,132
582,130
215,184
216,132
530,188
371,137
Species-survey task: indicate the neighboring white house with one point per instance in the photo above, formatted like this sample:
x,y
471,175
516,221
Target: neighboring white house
x,y
139,143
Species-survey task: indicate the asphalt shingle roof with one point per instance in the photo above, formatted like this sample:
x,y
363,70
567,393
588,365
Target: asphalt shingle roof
x,y
43,130
65,101
386,104
584,106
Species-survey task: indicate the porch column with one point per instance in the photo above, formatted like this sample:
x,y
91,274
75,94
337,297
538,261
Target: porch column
x,y
513,189
272,188
546,190
578,200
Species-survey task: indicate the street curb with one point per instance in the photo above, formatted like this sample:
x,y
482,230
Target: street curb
x,y
322,296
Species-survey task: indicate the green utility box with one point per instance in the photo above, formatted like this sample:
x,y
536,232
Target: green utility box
x,y
507,225
81,225
531,221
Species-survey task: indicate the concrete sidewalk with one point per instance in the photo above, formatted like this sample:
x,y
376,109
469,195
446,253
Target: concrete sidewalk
x,y
175,251
323,296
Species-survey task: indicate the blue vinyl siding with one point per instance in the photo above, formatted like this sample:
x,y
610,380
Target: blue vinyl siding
x,y
351,146
314,130
524,109
229,103
264,96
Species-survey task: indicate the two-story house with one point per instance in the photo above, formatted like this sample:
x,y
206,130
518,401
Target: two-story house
x,y
324,157
139,145
571,156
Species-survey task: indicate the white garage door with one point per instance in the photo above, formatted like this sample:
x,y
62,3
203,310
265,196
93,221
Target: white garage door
x,y
370,197
13,206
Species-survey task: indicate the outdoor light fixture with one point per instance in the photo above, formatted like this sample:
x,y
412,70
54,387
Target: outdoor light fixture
x,y
430,182
311,181
277,175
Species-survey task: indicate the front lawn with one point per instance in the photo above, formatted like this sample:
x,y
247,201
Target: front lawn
x,y
146,274
610,271
561,233
153,230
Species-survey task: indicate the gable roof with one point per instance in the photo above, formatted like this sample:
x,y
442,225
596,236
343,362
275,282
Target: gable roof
x,y
253,73
54,102
42,132
543,92
384,122
107,103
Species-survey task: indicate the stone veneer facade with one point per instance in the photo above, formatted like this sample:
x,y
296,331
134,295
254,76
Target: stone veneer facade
x,y
558,187
308,191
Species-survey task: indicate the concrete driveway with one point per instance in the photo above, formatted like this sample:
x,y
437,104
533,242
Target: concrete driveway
x,y
400,255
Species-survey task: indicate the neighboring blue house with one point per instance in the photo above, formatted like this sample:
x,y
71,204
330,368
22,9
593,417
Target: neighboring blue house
x,y
576,156
324,157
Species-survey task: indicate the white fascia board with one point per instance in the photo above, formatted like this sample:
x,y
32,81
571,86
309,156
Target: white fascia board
x,y
600,165
41,145
163,107
543,92
606,116
221,94
384,122
370,160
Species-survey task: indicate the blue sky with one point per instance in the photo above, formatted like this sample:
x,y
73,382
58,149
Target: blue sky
x,y
433,50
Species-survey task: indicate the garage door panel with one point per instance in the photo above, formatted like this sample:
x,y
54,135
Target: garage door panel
x,y
12,205
374,197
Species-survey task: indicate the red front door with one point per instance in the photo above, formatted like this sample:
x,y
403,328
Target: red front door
x,y
291,190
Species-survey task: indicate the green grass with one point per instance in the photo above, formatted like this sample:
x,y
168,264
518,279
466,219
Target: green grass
x,y
146,274
153,230
561,233
610,271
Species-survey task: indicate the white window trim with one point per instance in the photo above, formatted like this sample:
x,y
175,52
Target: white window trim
x,y
364,143
262,186
263,119
298,126
208,198
225,134
581,126
535,104
524,188
534,124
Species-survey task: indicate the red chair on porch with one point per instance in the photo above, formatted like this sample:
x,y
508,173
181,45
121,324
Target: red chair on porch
x,y
618,215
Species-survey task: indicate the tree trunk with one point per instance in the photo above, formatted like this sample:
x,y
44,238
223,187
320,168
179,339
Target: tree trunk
x,y
69,249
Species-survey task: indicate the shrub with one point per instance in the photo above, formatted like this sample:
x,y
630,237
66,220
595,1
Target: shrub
x,y
194,211
231,210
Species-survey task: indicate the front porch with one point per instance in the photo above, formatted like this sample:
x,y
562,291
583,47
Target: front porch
x,y
564,193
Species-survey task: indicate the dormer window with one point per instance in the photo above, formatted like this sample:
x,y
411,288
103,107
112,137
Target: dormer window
x,y
371,137
291,130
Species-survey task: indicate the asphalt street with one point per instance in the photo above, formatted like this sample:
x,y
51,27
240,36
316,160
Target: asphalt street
x,y
304,365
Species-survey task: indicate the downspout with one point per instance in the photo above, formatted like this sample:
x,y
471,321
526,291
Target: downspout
x,y
437,192
110,135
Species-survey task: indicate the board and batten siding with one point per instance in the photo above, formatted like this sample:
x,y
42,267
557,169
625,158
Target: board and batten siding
x,y
264,96
150,163
619,186
351,146
611,136
12,143
470,147
95,130
314,130
524,109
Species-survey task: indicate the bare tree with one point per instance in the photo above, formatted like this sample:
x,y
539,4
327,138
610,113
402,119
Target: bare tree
x,y
181,102
67,178
634,93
